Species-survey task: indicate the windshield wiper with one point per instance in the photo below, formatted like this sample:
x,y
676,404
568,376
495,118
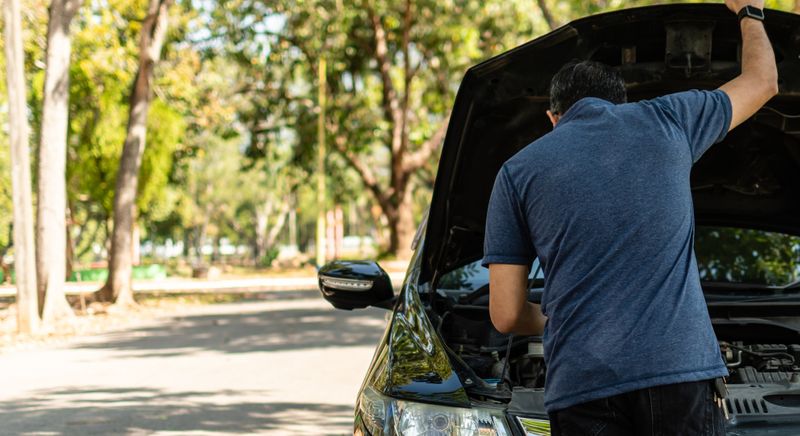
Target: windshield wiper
x,y
794,286
758,299
777,293
754,321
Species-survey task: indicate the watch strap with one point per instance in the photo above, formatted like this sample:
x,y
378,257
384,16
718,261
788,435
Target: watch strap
x,y
751,12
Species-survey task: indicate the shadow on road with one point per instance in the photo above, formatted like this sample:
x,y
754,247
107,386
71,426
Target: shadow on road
x,y
274,330
142,411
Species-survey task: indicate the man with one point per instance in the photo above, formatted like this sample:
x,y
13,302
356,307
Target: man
x,y
604,201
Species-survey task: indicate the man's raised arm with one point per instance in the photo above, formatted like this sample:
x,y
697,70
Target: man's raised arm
x,y
758,81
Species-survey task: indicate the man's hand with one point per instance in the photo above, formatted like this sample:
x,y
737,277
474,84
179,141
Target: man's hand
x,y
758,81
509,308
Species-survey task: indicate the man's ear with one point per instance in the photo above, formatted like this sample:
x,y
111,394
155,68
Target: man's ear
x,y
553,117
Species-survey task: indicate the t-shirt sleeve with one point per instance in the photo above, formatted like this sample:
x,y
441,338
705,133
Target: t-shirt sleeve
x,y
507,238
703,116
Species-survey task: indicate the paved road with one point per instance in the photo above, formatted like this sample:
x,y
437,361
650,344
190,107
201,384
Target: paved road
x,y
275,367
184,285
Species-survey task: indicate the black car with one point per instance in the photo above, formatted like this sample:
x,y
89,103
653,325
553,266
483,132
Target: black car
x,y
442,369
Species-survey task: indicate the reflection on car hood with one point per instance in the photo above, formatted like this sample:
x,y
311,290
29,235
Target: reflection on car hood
x,y
748,180
411,361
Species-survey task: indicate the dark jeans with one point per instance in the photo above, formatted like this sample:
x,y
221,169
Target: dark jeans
x,y
676,409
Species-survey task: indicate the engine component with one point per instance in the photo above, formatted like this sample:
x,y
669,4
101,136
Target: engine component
x,y
761,363
536,349
750,375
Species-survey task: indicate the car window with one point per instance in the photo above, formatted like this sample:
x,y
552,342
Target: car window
x,y
472,276
724,254
736,255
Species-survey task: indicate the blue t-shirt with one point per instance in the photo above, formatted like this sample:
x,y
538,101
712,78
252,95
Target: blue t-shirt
x,y
604,200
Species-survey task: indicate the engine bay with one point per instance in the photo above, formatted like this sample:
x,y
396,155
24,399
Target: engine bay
x,y
761,363
764,367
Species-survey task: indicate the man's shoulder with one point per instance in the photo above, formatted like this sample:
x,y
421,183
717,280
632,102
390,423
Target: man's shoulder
x,y
531,153
681,98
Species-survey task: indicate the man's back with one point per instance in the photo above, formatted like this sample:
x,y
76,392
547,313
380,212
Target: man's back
x,y
606,201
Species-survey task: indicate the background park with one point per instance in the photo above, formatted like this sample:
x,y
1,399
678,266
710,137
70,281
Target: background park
x,y
147,142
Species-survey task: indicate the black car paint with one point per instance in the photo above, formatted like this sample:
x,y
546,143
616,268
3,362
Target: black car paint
x,y
411,361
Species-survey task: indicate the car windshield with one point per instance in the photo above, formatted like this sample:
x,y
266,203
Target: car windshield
x,y
736,255
472,276
724,254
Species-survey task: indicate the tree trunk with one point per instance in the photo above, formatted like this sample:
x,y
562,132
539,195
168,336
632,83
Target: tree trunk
x,y
154,30
338,231
215,250
262,220
200,239
88,244
401,226
24,244
187,242
52,200
70,248
293,226
277,226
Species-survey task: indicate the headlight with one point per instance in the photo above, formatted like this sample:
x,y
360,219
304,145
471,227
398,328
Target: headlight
x,y
384,416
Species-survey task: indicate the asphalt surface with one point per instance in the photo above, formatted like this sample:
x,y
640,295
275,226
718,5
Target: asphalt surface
x,y
270,367
177,285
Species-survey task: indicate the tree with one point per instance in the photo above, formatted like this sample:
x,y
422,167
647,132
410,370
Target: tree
x,y
52,199
24,258
394,198
154,31
100,83
747,256
393,70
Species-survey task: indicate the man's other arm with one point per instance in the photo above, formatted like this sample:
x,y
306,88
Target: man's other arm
x,y
509,308
758,81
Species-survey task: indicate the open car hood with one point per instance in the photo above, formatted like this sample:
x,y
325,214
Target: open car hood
x,y
751,179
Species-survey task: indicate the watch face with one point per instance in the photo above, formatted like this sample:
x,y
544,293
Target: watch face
x,y
755,12
751,12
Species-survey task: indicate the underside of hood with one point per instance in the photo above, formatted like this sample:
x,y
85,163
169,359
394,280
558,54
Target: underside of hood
x,y
751,179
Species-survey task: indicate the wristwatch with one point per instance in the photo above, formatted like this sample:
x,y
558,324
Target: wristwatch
x,y
751,12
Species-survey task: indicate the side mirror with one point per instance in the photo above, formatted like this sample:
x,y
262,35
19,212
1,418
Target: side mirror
x,y
355,284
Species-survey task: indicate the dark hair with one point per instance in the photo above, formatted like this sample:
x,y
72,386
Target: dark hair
x,y
578,79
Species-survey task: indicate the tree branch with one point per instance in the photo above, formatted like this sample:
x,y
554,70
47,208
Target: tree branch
x,y
296,42
548,16
402,142
421,156
277,226
365,173
391,106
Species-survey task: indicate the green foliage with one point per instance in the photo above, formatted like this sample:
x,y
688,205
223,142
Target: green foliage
x,y
96,135
267,259
165,131
232,129
278,46
102,72
747,256
6,212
